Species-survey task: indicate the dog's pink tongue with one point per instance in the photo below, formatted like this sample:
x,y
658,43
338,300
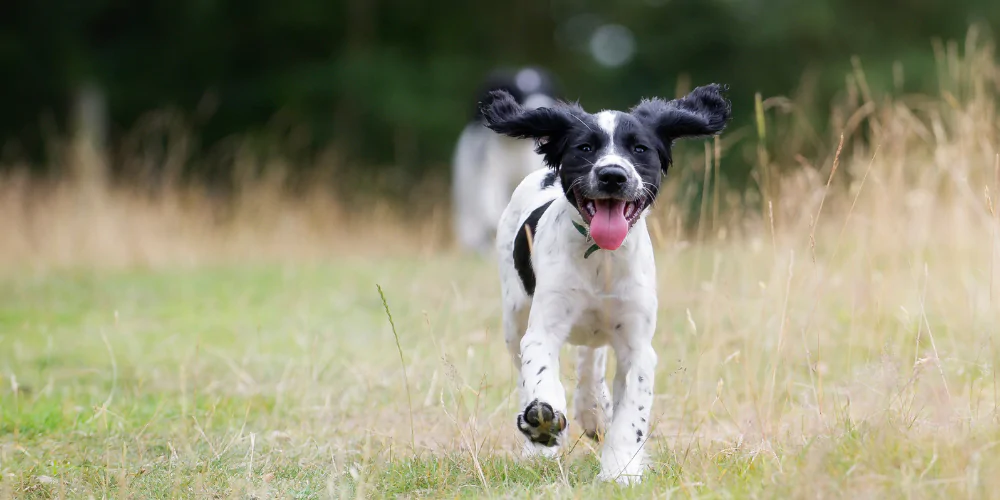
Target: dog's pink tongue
x,y
609,227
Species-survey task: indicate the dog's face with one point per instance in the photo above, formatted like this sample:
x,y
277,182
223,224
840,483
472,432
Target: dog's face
x,y
611,163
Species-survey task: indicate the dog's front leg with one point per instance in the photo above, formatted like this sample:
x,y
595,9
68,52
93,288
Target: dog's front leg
x,y
543,419
623,456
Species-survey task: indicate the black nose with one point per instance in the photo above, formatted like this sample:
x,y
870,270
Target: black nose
x,y
611,177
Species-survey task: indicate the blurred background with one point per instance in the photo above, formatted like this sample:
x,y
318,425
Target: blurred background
x,y
370,95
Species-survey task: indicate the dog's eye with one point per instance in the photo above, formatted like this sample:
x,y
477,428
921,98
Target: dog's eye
x,y
639,148
585,147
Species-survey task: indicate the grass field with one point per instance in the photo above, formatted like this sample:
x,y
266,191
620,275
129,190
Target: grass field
x,y
839,342
285,381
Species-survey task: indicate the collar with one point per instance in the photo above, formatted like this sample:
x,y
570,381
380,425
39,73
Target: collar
x,y
586,234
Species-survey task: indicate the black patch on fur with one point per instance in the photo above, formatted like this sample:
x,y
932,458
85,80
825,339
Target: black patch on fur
x,y
506,79
540,370
549,180
547,126
522,251
638,436
702,113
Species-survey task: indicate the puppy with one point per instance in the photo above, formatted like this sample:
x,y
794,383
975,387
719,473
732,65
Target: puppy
x,y
486,167
576,263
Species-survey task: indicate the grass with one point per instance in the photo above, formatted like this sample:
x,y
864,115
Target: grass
x,y
283,380
148,350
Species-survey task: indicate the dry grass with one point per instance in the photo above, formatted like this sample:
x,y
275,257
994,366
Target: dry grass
x,y
81,219
848,350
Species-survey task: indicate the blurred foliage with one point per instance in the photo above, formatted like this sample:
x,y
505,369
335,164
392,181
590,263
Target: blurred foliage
x,y
391,82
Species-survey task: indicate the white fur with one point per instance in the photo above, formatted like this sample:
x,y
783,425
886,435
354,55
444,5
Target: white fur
x,y
608,120
606,299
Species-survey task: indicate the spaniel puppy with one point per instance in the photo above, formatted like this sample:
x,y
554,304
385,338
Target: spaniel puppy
x,y
576,263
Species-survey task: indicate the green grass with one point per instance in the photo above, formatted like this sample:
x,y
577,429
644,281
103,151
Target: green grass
x,y
284,381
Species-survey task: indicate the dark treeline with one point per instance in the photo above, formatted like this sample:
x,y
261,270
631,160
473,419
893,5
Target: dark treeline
x,y
391,82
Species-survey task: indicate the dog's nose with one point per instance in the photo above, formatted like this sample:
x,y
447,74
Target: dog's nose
x,y
612,177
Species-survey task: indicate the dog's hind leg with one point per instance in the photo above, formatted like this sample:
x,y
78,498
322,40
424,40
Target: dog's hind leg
x,y
592,402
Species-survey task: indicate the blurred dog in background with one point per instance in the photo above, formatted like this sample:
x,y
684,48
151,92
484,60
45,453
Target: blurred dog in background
x,y
486,167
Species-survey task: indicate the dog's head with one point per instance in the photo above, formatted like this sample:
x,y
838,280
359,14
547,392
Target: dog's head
x,y
611,163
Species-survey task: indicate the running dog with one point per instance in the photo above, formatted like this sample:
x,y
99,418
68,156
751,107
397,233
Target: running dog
x,y
576,263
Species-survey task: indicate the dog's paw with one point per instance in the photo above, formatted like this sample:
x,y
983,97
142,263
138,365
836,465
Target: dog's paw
x,y
534,450
612,469
541,424
593,422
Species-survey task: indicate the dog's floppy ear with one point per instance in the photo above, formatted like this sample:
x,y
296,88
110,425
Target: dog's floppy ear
x,y
703,112
547,126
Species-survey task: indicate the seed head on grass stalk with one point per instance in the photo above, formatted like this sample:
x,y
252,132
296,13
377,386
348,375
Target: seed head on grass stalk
x,y
402,362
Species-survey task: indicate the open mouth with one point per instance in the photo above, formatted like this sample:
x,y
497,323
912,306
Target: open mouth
x,y
609,218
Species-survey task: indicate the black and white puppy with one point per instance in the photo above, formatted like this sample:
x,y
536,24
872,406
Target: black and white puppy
x,y
486,167
576,263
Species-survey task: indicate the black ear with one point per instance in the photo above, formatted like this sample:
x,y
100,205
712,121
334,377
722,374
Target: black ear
x,y
547,126
703,112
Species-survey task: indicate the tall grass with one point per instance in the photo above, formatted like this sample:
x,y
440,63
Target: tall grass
x,y
82,217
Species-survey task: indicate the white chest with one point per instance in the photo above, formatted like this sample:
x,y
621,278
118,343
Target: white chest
x,y
605,291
